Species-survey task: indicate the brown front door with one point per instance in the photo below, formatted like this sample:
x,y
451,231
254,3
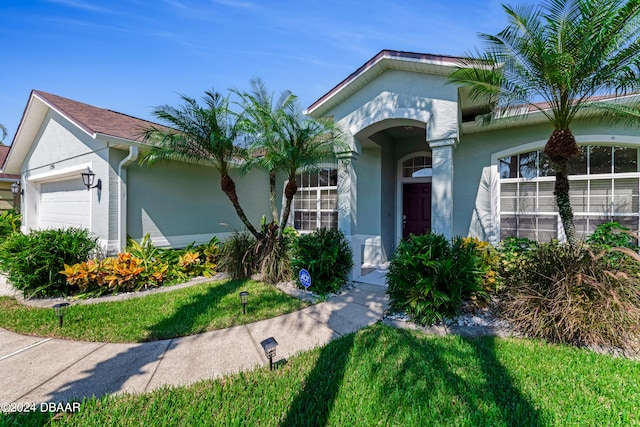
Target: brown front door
x,y
416,209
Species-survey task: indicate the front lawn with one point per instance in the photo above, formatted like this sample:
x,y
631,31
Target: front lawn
x,y
383,376
199,308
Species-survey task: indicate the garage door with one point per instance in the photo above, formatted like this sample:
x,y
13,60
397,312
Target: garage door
x,y
65,204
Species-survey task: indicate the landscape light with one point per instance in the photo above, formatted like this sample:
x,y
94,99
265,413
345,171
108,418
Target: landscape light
x,y
60,310
244,298
269,345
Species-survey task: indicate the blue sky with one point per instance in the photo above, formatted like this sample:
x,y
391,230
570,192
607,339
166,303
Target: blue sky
x,y
132,55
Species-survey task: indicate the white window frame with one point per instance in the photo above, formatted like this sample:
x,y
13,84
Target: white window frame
x,y
608,140
318,210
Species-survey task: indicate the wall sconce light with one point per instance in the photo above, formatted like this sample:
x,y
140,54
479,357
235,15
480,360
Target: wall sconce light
x,y
88,177
244,297
60,310
16,188
269,346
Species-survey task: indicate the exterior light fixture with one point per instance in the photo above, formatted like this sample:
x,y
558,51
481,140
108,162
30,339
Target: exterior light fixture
x,y
244,297
269,345
88,177
16,188
60,310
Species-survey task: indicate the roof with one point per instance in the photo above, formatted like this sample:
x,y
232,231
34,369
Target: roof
x,y
4,151
95,120
384,60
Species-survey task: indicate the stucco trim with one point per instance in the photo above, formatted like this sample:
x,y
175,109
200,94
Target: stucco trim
x,y
59,174
181,241
621,140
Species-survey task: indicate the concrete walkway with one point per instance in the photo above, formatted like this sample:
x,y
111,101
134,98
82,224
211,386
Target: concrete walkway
x,y
38,370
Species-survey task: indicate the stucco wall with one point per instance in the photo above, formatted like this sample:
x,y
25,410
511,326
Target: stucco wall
x,y
368,169
473,180
59,146
178,203
402,94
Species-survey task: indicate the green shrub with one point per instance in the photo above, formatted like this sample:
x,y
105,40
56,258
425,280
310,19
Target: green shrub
x,y
326,255
489,261
181,264
611,235
145,251
429,277
10,221
239,257
511,251
573,296
32,262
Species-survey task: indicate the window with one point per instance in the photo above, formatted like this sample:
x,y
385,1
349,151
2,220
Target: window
x,y
416,167
604,186
315,205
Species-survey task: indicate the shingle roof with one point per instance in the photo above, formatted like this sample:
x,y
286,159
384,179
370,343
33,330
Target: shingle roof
x,y
4,151
95,120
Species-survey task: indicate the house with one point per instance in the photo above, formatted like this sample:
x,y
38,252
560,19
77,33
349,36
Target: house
x,y
7,199
176,203
417,161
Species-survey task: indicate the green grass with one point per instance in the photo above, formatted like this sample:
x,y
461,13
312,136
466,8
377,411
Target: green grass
x,y
199,308
383,376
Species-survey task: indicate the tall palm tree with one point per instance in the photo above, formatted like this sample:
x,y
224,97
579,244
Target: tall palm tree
x,y
203,134
261,118
285,140
305,143
565,53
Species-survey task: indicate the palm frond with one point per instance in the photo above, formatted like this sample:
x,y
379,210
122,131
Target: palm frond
x,y
194,133
562,52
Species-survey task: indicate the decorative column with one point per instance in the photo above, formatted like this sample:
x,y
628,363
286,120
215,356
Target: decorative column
x,y
347,205
442,186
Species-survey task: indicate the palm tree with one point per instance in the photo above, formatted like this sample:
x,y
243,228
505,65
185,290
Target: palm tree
x,y
260,120
305,143
203,134
565,53
285,140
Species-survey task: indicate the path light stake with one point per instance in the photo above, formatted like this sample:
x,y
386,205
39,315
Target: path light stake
x,y
60,310
269,345
244,297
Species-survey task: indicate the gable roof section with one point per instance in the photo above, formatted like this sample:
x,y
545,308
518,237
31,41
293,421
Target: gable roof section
x,y
4,151
386,59
94,121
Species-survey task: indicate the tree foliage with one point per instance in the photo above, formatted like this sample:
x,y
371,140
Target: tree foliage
x,y
285,140
561,58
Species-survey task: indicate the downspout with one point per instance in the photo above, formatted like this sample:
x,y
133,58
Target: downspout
x,y
122,195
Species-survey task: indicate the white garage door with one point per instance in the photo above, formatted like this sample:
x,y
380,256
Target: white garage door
x,y
65,204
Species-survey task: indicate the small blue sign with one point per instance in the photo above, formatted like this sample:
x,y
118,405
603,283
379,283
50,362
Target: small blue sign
x,y
305,278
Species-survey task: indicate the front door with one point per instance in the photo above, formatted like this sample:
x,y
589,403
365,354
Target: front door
x,y
416,209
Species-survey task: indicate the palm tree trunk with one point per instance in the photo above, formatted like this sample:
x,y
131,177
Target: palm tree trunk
x,y
560,147
229,188
272,195
564,203
289,191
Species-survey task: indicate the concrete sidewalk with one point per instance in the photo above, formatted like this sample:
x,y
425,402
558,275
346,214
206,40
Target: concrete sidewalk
x,y
38,370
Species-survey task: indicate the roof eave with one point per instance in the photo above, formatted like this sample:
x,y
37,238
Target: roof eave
x,y
384,60
30,123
